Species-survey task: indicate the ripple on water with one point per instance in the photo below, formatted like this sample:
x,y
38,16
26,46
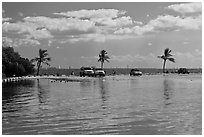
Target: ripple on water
x,y
112,105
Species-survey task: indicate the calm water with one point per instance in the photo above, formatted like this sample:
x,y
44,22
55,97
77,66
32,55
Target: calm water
x,y
112,105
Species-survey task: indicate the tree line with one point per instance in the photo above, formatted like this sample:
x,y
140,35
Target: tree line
x,y
15,65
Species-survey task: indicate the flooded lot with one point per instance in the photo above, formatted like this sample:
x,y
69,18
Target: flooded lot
x,y
153,104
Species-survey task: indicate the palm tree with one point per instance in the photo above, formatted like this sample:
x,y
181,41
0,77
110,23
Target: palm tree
x,y
166,56
103,56
41,59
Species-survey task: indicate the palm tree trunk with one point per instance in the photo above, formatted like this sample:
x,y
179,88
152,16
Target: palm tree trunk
x,y
38,70
164,65
101,64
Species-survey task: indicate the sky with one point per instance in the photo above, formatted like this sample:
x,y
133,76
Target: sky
x,y
133,33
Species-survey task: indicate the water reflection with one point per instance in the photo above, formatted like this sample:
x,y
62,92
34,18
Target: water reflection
x,y
133,83
168,91
103,88
43,92
136,105
12,91
12,95
85,86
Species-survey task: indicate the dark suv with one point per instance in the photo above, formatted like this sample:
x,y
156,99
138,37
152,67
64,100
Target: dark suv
x,y
183,71
86,71
135,72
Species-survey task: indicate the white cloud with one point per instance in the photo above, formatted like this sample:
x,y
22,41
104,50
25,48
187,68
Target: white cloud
x,y
100,13
172,23
26,42
96,37
42,27
6,19
118,22
7,41
134,30
138,22
149,44
61,24
101,17
15,42
28,29
20,14
187,8
164,23
94,25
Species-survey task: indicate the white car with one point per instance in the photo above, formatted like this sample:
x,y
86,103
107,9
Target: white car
x,y
86,71
99,72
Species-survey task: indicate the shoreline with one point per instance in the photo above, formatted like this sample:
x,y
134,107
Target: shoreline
x,y
81,79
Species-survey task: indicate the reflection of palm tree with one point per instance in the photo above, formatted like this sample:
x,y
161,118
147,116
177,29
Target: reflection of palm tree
x,y
103,56
41,59
165,57
42,94
103,90
168,90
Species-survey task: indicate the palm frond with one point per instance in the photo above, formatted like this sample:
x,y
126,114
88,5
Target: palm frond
x,y
46,63
103,56
107,60
171,59
46,59
162,57
166,51
168,55
107,57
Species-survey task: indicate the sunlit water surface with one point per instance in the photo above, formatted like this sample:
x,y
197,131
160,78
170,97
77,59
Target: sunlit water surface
x,y
148,105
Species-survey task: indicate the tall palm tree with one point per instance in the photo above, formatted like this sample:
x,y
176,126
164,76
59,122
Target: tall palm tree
x,y
42,58
103,56
165,57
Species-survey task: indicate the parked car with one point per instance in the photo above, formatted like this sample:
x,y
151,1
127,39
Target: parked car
x,y
183,71
135,72
99,72
86,71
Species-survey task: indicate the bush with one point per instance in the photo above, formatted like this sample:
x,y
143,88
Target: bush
x,y
14,64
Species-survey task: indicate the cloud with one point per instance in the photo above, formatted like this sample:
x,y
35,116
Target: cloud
x,y
118,22
15,42
94,25
101,17
61,24
138,22
149,44
42,27
7,41
187,8
172,23
28,29
97,37
164,23
6,19
20,14
100,13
